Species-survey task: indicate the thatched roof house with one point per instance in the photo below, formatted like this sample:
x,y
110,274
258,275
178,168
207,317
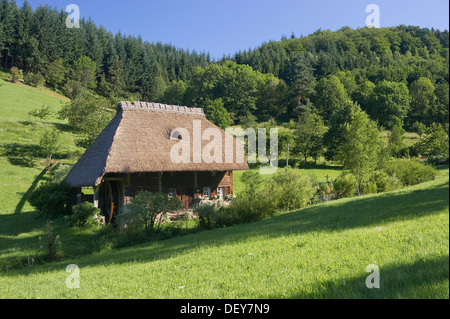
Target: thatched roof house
x,y
135,151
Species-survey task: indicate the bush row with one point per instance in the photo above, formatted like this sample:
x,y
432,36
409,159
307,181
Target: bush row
x,y
395,174
287,190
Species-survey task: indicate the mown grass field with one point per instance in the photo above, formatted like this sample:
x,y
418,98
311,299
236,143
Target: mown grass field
x,y
318,252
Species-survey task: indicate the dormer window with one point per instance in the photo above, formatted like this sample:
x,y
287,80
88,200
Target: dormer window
x,y
175,135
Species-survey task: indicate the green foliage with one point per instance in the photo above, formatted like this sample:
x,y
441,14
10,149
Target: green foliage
x,y
331,96
174,94
246,209
435,142
441,109
217,114
362,147
396,143
144,211
41,113
365,95
420,128
409,172
88,115
53,245
212,215
85,215
49,143
59,172
34,79
344,185
337,128
392,102
309,136
129,220
116,77
286,136
385,182
290,189
85,72
252,183
16,74
53,199
423,99
56,73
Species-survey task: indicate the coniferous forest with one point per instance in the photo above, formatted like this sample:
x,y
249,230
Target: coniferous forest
x,y
398,75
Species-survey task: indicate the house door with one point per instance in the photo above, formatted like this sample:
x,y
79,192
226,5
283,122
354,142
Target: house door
x,y
188,197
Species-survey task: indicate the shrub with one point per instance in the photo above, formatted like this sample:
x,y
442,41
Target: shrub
x,y
59,172
16,74
385,182
145,211
369,187
344,185
85,215
290,190
34,79
53,199
251,209
53,244
214,216
409,172
437,160
173,229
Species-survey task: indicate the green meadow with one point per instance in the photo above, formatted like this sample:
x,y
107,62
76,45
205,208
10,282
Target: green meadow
x,y
318,252
321,251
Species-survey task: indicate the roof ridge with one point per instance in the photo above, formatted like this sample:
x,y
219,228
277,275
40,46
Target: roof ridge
x,y
158,107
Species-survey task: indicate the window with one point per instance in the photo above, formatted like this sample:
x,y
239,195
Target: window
x,y
175,135
221,192
207,192
172,192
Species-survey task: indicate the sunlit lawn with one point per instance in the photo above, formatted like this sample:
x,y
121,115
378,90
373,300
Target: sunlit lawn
x,y
318,252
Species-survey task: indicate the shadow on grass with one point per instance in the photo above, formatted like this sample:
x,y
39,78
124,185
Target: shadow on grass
x,y
30,190
420,279
25,155
330,217
441,167
63,127
21,154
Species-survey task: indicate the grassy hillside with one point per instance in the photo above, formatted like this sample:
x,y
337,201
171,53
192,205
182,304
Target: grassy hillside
x,y
21,165
318,252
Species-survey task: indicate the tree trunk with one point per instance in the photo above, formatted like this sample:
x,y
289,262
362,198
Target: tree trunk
x,y
356,182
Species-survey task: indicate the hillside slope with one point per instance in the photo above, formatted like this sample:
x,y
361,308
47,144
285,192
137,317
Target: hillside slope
x,y
21,163
318,252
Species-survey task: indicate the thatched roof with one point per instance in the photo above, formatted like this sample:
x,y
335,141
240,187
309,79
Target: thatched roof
x,y
137,140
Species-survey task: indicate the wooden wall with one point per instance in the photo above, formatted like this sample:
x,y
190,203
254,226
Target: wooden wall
x,y
183,182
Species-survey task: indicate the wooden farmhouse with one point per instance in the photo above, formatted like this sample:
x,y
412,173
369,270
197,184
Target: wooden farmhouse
x,y
136,151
